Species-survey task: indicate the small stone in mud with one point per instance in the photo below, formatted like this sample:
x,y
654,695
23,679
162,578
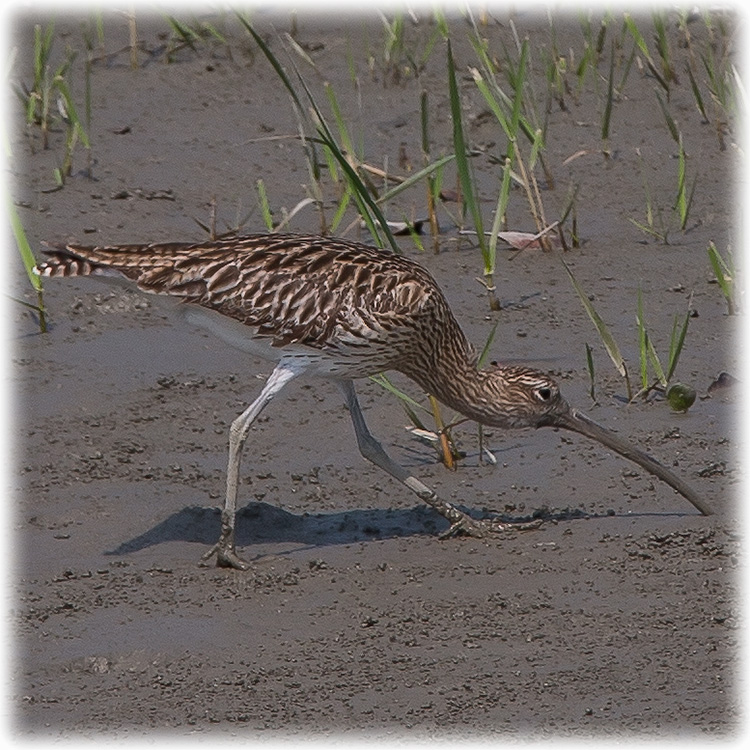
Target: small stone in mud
x,y
725,380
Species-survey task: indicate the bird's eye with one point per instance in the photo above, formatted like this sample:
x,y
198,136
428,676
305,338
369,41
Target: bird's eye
x,y
545,394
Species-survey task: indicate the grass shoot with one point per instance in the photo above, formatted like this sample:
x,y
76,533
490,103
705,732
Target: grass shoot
x,y
29,263
725,275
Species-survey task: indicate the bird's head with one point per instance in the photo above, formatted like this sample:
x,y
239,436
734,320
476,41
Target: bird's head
x,y
521,397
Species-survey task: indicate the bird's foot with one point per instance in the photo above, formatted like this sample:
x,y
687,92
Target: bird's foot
x,y
226,557
468,526
465,526
495,525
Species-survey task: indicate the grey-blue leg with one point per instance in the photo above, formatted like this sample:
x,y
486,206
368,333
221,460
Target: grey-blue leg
x,y
226,555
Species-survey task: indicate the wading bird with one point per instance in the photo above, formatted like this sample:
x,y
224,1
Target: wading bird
x,y
340,310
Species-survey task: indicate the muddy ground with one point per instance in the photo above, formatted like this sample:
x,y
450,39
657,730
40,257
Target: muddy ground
x,y
617,617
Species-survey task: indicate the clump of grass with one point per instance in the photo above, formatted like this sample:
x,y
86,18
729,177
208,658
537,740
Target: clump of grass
x,y
402,57
50,88
684,198
653,375
468,184
713,59
607,339
393,45
38,99
593,46
649,359
338,152
191,35
663,48
518,167
640,43
74,130
657,224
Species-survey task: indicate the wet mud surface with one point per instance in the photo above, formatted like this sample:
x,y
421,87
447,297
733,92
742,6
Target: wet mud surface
x,y
617,617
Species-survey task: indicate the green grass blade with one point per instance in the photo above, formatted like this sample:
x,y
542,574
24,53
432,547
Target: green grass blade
x,y
637,37
697,94
655,361
647,349
607,116
662,45
416,177
570,205
691,195
441,23
518,80
29,263
424,122
590,367
366,205
641,44
264,206
27,256
292,42
341,210
383,381
185,33
275,64
496,98
487,345
720,269
72,113
215,33
462,160
676,343
339,118
492,102
681,201
671,124
642,342
500,210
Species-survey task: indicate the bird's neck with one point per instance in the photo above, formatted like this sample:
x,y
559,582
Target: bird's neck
x,y
463,390
448,370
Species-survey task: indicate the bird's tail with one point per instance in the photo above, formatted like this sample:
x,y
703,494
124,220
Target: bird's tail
x,y
63,260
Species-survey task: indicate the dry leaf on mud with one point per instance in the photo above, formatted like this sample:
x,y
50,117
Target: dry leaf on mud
x,y
527,241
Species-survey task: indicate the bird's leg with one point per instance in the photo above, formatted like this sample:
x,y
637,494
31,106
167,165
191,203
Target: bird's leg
x,y
226,555
371,449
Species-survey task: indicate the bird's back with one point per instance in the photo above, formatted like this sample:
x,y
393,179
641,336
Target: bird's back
x,y
339,297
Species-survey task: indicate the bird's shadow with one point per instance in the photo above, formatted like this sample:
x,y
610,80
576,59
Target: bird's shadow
x,y
259,523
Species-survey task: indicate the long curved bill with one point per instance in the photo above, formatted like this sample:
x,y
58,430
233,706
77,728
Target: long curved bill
x,y
575,421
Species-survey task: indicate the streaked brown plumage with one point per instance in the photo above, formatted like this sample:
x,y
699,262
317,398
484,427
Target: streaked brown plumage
x,y
340,310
